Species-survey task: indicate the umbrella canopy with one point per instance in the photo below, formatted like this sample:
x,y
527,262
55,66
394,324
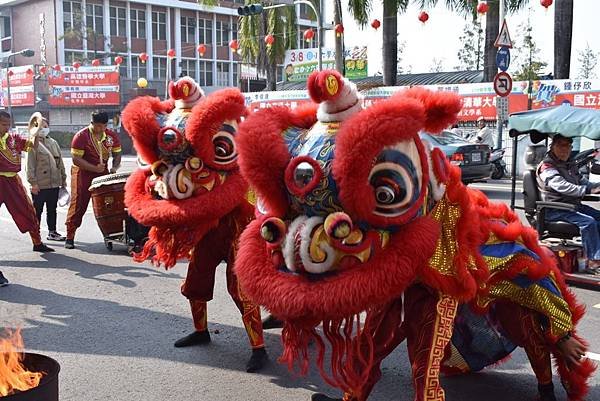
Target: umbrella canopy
x,y
566,120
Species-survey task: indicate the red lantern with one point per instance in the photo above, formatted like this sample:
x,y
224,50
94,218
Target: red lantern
x,y
29,71
309,34
118,60
233,44
339,30
269,40
143,57
96,62
43,69
56,67
11,73
376,24
76,65
482,7
171,53
423,16
546,3
201,50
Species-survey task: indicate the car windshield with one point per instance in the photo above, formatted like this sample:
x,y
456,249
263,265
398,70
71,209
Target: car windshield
x,y
444,138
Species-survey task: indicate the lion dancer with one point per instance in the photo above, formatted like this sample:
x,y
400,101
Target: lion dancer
x,y
189,141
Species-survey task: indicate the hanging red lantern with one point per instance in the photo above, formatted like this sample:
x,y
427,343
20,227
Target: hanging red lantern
x,y
76,65
309,34
11,73
423,16
201,50
171,53
143,57
29,71
269,40
96,62
118,60
339,30
546,3
482,7
43,69
56,67
376,24
233,44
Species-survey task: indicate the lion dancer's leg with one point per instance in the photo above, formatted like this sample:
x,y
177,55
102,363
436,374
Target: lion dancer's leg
x,y
251,318
429,322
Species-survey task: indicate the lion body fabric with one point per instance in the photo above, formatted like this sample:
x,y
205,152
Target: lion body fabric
x,y
358,217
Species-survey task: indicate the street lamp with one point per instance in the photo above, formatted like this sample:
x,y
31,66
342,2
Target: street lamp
x,y
254,9
24,53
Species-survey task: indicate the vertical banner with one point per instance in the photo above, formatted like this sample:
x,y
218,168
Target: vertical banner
x,y
85,86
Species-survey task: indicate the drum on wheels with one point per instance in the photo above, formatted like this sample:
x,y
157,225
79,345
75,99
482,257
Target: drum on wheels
x,y
116,225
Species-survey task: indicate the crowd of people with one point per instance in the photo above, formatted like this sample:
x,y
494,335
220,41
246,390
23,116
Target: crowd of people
x,y
91,149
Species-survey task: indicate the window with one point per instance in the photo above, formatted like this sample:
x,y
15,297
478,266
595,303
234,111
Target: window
x,y
138,23
118,21
159,67
188,29
6,32
234,31
138,69
205,31
159,25
307,12
236,67
222,74
72,56
93,18
222,33
72,15
188,68
206,77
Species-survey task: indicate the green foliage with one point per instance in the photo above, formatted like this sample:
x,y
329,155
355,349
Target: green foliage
x,y
529,65
588,60
470,54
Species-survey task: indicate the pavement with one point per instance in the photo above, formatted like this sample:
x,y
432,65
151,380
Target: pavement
x,y
111,324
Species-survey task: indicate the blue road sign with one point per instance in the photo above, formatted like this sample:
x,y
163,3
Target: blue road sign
x,y
503,58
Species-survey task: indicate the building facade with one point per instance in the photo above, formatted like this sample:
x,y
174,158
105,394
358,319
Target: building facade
x,y
64,31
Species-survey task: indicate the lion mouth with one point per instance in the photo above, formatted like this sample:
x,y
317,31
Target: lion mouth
x,y
311,246
177,182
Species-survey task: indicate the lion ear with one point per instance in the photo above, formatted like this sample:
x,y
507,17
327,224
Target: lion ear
x,y
441,108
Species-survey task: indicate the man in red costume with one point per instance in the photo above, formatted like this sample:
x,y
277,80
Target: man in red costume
x,y
91,148
193,196
360,218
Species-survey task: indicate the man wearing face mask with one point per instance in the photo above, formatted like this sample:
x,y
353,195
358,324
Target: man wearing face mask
x,y
46,174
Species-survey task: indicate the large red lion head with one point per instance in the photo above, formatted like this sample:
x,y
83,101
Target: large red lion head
x,y
193,179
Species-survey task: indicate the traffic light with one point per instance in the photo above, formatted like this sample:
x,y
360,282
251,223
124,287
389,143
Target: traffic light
x,y
252,9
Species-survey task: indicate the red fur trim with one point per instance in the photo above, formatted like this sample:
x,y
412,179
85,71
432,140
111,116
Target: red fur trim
x,y
441,108
139,120
207,119
289,176
576,378
291,297
440,167
387,123
317,85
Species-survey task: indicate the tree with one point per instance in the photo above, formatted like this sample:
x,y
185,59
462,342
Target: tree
x,y
563,33
588,60
530,67
470,54
339,40
360,10
400,68
436,65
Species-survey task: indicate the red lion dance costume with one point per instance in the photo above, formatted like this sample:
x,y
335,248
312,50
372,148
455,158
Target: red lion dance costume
x,y
193,195
357,214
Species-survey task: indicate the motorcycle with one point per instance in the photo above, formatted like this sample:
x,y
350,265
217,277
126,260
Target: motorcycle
x,y
498,164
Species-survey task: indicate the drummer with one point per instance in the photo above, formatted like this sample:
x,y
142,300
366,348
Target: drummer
x,y
91,148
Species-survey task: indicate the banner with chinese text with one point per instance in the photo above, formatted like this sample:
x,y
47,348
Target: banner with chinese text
x,y
21,86
300,63
85,86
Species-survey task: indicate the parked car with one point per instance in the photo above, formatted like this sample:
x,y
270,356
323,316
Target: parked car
x,y
473,159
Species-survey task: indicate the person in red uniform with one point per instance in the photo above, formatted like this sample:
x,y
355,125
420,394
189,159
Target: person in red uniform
x,y
12,191
91,148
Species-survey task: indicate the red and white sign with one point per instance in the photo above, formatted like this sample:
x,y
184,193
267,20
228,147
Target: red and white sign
x,y
503,39
502,84
21,86
84,86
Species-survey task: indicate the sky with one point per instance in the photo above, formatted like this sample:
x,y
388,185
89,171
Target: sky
x,y
439,37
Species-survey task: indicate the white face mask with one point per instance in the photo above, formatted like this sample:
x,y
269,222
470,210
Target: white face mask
x,y
44,132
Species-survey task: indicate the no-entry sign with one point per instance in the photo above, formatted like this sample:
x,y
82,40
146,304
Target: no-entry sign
x,y
502,84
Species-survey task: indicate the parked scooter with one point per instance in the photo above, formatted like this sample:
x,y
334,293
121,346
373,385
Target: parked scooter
x,y
498,164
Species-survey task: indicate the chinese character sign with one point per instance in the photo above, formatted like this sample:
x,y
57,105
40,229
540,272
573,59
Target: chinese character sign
x,y
21,86
85,86
300,63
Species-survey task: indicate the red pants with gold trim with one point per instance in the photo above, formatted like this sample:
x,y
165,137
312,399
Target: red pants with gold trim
x,y
18,203
219,245
80,198
427,326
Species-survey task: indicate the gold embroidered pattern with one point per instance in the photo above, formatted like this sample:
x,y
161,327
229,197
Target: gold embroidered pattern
x,y
446,247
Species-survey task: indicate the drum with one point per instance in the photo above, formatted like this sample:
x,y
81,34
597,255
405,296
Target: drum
x,y
108,193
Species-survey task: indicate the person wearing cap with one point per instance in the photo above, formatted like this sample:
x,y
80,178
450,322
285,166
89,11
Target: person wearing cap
x,y
12,191
485,135
91,149
559,180
46,174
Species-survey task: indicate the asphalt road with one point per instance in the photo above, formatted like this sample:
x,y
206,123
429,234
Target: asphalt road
x,y
111,324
